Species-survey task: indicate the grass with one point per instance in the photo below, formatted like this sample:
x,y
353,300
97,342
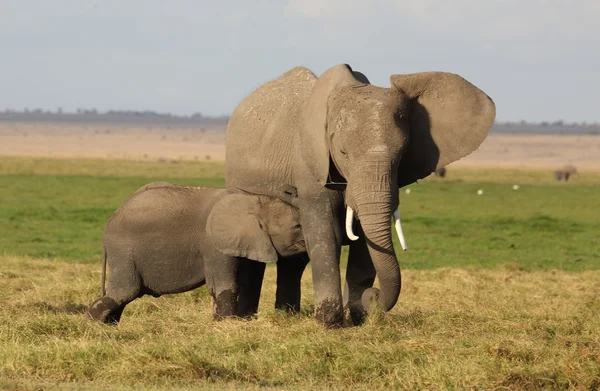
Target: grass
x,y
110,168
501,328
55,208
58,208
500,291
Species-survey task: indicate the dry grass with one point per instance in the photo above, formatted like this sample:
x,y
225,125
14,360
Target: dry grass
x,y
514,176
109,167
452,329
202,169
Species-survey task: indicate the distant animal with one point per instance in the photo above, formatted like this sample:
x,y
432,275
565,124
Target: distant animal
x,y
440,172
563,173
169,239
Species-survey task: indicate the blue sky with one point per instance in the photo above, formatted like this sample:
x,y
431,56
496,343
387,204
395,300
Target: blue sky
x,y
538,59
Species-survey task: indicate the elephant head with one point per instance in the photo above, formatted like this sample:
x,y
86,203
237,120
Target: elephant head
x,y
255,227
380,139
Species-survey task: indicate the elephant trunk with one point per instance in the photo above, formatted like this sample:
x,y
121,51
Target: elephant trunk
x,y
376,227
375,198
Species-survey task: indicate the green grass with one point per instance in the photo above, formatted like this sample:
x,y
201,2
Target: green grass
x,y
534,227
55,208
63,216
500,291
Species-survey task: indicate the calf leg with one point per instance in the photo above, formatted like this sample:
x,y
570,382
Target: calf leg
x,y
124,285
106,310
221,278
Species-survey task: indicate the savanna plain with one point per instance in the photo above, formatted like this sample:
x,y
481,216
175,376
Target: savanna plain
x,y
500,290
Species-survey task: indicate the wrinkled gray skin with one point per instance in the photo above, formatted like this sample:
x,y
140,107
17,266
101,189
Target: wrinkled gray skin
x,y
169,239
325,143
565,172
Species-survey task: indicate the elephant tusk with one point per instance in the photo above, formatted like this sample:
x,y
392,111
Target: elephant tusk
x,y
398,226
349,219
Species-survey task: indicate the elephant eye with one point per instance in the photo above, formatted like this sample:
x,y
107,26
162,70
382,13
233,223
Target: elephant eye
x,y
297,226
343,152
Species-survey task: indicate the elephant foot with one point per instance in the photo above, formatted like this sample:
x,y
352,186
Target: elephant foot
x,y
369,299
330,313
290,308
354,315
289,276
356,312
225,305
106,310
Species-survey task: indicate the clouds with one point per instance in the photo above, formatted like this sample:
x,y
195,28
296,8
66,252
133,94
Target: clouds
x,y
331,10
538,27
187,56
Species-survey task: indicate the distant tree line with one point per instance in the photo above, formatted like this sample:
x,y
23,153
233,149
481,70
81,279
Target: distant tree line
x,y
153,118
546,127
111,116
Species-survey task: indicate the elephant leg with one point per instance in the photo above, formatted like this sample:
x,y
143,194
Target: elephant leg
x,y
323,243
221,278
123,286
289,275
250,278
106,310
360,275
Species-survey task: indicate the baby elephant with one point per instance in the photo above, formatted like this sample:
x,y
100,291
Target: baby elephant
x,y
169,239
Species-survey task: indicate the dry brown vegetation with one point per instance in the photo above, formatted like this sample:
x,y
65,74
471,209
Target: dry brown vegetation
x,y
207,142
113,141
453,328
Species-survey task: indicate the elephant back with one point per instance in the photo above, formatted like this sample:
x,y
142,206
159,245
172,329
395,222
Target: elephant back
x,y
262,129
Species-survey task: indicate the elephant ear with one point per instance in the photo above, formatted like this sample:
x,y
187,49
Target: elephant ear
x,y
236,229
315,145
449,118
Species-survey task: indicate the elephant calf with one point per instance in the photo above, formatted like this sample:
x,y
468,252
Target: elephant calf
x,y
169,239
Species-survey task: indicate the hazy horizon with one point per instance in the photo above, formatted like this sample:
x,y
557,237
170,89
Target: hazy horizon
x,y
535,59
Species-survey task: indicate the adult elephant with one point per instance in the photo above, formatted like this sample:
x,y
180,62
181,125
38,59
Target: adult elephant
x,y
336,143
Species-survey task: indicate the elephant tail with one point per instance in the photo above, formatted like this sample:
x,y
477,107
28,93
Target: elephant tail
x,y
104,274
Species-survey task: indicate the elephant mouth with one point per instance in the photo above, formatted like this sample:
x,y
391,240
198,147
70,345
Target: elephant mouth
x,y
296,248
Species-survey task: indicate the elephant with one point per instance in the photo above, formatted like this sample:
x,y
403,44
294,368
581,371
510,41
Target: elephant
x,y
336,145
563,173
169,239
440,172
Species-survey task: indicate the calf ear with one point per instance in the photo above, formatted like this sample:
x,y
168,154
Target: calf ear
x,y
236,229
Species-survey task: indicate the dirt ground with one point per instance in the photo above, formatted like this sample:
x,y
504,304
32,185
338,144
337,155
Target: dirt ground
x,y
112,141
208,143
535,152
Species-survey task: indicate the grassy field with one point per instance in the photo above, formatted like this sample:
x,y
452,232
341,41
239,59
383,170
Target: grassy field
x,y
58,208
500,291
